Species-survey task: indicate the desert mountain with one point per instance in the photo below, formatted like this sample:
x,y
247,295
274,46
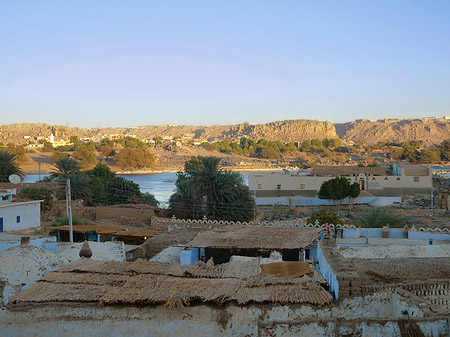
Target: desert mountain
x,y
429,130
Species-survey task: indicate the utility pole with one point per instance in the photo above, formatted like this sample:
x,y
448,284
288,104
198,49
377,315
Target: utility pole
x,y
69,209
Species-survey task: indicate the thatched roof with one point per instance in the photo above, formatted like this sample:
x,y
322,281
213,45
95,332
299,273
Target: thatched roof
x,y
252,237
143,282
347,170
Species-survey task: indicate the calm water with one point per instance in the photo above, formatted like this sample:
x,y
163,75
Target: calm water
x,y
161,185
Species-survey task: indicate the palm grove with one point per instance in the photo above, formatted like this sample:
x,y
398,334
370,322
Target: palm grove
x,y
203,189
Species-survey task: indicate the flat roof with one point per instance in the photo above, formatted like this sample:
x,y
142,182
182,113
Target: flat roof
x,y
118,231
87,228
256,237
12,203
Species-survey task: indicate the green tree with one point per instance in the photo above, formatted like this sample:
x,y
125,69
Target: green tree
x,y
306,145
74,140
135,158
337,189
122,191
58,155
99,176
149,199
84,155
39,193
67,168
324,216
8,166
379,217
48,147
107,151
353,193
205,189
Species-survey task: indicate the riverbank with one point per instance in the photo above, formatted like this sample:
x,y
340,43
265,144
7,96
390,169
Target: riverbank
x,y
40,163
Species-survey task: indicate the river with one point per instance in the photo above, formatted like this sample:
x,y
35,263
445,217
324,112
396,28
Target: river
x,y
161,185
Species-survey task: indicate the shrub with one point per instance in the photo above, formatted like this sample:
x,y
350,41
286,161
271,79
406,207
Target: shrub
x,y
39,193
325,216
379,217
64,221
149,199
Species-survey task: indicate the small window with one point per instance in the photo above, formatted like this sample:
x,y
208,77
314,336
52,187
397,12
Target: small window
x,y
302,186
18,219
398,178
386,178
259,186
373,178
278,187
416,179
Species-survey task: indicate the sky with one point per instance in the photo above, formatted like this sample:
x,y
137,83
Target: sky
x,y
128,63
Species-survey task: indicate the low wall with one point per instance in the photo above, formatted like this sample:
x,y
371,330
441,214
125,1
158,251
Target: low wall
x,y
314,201
413,234
144,214
327,272
378,316
394,251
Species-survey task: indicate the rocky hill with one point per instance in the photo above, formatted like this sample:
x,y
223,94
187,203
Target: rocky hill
x,y
429,130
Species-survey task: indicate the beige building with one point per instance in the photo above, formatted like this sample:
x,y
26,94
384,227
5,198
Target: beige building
x,y
375,181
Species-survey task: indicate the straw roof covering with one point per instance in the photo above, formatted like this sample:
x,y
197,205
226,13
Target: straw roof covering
x,y
153,283
249,237
138,233
348,170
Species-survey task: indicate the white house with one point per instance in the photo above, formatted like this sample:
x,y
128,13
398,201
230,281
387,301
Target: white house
x,y
19,215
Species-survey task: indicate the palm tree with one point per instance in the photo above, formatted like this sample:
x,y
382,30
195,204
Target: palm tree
x,y
205,189
8,166
67,168
64,167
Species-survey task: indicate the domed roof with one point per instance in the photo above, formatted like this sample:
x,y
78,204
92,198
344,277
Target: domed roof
x,y
25,264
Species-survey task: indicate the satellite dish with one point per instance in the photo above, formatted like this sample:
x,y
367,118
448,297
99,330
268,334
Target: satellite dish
x,y
14,179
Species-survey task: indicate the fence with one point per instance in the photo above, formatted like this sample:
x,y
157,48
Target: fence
x,y
175,223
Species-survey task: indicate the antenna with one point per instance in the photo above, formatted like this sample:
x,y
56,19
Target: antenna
x,y
14,179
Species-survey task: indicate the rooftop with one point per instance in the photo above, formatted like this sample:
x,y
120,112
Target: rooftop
x,y
143,282
256,237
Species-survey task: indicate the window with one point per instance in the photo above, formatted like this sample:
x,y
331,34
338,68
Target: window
x,y
302,186
259,186
386,178
18,219
416,179
398,178
278,187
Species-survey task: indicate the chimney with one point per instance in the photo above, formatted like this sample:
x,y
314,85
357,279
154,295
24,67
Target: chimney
x,y
25,241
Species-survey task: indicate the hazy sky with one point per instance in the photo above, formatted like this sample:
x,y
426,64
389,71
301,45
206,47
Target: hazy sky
x,y
124,63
